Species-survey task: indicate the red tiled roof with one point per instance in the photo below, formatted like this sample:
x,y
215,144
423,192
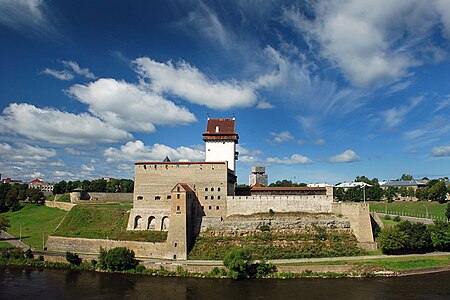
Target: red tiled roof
x,y
225,126
268,189
186,187
180,163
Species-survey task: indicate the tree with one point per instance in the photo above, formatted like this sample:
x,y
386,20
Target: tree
x,y
287,183
440,235
35,195
60,187
393,240
438,192
99,185
73,258
238,261
11,200
419,238
117,259
4,222
407,177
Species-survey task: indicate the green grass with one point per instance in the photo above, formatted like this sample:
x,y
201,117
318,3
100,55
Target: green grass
x,y
4,244
394,263
64,198
267,245
35,220
410,207
100,221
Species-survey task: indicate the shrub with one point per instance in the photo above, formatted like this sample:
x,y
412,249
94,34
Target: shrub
x,y
117,259
397,219
40,258
392,240
264,227
29,254
387,217
440,235
238,261
271,212
263,269
73,258
419,238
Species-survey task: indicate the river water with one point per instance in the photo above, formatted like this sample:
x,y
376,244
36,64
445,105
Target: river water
x,y
22,283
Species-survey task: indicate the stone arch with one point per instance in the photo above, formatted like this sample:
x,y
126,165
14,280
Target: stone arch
x,y
151,223
137,222
165,222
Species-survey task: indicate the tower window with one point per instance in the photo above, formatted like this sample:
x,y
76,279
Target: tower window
x,y
206,197
217,129
217,208
218,197
210,207
178,196
206,189
178,208
212,197
157,198
212,189
140,198
218,189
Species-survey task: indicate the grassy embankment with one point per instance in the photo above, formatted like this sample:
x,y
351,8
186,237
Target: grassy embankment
x,y
104,221
268,245
36,221
410,208
389,263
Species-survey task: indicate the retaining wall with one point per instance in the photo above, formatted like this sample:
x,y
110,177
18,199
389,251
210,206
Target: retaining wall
x,y
111,196
61,205
92,246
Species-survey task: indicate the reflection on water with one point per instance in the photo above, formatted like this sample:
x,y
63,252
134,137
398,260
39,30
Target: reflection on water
x,y
20,283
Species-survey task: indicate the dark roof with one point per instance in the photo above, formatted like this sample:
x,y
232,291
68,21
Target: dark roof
x,y
180,163
166,159
256,188
220,129
403,183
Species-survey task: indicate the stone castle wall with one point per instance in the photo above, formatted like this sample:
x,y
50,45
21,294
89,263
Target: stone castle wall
x,y
92,246
127,197
247,205
61,205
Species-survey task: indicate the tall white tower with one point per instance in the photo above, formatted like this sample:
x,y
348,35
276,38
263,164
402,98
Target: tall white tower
x,y
220,141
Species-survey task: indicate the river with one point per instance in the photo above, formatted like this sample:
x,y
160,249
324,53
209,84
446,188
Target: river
x,y
22,283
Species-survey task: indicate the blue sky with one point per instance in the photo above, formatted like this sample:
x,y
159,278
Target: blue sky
x,y
322,91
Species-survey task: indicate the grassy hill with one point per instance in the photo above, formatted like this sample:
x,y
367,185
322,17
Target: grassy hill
x,y
104,221
410,208
36,221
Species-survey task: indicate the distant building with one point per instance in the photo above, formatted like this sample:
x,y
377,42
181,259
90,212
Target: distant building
x,y
9,180
347,185
415,184
45,187
258,176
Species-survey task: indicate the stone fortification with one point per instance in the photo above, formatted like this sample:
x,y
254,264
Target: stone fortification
x,y
92,246
247,205
78,195
279,222
61,205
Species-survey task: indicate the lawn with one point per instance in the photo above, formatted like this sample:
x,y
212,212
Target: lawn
x,y
35,222
412,208
391,263
4,244
100,221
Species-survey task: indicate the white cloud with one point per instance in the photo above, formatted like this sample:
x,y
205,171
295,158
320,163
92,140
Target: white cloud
x,y
75,152
264,105
249,159
35,175
61,75
370,41
137,151
24,153
128,106
396,115
294,159
78,70
282,137
346,157
320,142
27,16
186,81
56,127
244,151
440,151
87,168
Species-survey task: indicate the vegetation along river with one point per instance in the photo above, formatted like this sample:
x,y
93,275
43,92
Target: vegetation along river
x,y
22,283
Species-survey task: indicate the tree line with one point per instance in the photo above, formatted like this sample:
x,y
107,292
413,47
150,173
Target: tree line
x,y
96,185
11,194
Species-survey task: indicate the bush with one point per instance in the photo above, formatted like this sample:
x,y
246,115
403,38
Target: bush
x,y
387,217
263,269
271,212
73,258
29,254
40,258
397,219
392,240
440,235
117,259
404,238
238,261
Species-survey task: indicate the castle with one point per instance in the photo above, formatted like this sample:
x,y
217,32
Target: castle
x,y
186,198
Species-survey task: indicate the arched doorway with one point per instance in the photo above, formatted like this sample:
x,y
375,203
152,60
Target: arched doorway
x,y
165,223
151,223
137,222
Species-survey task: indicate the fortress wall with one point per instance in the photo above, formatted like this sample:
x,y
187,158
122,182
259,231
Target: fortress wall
x,y
92,246
154,180
128,197
61,205
247,205
359,217
146,218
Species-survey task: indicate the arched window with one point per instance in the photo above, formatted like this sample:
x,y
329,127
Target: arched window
x,y
157,198
165,223
140,198
137,222
151,223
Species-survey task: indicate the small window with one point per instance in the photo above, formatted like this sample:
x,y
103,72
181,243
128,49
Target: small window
x,y
210,207
212,197
178,208
218,189
206,189
140,198
174,256
178,188
206,197
212,189
157,198
218,197
169,197
178,196
217,208
155,167
145,167
175,245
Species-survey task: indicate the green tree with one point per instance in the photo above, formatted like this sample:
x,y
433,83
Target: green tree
x,y
438,192
11,200
286,183
118,259
35,195
60,187
238,261
4,222
73,258
99,185
392,240
447,212
407,177
419,238
440,235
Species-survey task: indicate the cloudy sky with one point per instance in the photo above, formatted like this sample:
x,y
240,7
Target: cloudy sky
x,y
322,91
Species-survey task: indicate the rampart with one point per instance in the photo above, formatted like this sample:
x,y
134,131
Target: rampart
x,y
128,197
61,205
92,246
248,205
